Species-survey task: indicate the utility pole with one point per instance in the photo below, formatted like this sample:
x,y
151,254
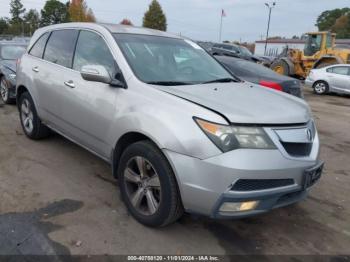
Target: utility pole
x,y
223,14
270,7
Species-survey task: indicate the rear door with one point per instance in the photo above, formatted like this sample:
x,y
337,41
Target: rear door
x,y
339,77
57,61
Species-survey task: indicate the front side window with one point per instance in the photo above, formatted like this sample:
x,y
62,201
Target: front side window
x,y
38,48
60,47
313,44
340,70
12,52
163,59
92,50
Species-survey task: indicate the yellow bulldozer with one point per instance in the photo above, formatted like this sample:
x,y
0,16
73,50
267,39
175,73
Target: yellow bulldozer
x,y
319,51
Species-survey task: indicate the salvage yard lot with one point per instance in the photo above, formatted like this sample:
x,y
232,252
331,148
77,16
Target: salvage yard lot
x,y
58,198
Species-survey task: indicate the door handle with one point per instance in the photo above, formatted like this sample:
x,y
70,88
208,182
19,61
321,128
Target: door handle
x,y
70,84
35,69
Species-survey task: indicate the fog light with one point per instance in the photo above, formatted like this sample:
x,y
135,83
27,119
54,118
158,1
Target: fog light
x,y
240,206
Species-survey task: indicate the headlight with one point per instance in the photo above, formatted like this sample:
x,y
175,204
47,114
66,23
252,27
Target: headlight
x,y
12,76
230,137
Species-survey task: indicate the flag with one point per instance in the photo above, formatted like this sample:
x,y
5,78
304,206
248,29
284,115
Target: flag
x,y
223,14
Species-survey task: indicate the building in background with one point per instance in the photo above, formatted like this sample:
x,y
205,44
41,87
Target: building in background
x,y
276,46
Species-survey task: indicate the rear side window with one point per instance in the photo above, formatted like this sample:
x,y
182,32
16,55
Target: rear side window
x,y
340,70
38,48
92,50
60,47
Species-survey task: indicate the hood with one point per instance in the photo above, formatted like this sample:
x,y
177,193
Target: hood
x,y
10,64
245,103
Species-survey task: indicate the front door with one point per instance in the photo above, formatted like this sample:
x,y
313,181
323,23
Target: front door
x,y
89,107
339,77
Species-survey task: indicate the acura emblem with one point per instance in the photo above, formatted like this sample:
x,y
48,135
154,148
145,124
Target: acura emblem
x,y
309,134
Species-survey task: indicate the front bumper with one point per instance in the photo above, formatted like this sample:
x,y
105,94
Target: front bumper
x,y
206,184
309,82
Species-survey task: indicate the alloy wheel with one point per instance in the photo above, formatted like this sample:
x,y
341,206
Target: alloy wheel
x,y
320,88
27,116
142,185
4,90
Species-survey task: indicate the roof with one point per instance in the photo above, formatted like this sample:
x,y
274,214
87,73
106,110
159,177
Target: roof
x,y
113,28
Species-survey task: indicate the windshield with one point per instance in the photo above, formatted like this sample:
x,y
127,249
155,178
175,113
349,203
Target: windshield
x,y
12,52
157,59
245,51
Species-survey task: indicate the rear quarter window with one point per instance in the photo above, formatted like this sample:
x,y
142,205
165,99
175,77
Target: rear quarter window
x,y
38,48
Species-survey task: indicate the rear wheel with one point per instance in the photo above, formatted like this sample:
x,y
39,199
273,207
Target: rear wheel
x,y
30,121
280,67
148,185
4,92
321,87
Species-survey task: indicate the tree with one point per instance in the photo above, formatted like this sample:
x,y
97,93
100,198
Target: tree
x,y
32,20
336,20
342,26
126,21
54,12
79,12
154,17
4,25
328,18
16,10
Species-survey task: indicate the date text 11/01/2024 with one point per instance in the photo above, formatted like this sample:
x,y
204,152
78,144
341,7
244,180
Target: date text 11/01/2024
x,y
173,258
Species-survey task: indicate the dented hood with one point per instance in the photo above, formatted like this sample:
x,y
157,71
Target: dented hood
x,y
244,102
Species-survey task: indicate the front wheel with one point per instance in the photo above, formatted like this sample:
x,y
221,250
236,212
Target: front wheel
x,y
148,185
280,67
30,121
4,92
321,87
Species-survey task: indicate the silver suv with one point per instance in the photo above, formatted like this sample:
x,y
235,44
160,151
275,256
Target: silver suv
x,y
179,131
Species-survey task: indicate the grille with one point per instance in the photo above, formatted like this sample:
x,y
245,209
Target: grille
x,y
297,149
260,184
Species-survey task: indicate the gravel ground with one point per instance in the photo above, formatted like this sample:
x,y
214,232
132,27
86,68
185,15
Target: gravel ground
x,y
57,198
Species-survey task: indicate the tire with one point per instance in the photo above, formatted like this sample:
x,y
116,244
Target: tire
x,y
30,121
320,87
281,67
158,203
4,92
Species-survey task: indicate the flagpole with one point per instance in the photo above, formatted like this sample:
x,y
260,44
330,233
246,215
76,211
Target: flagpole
x,y
220,28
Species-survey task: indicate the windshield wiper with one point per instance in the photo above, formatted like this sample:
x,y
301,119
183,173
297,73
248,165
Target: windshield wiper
x,y
221,80
168,83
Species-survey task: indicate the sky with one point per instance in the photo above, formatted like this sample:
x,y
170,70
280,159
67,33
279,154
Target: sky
x,y
245,21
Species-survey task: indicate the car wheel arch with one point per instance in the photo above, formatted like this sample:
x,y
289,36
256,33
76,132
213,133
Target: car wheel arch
x,y
123,142
20,90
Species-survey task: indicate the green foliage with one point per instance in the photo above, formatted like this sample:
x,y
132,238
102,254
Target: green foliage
x,y
337,21
16,10
154,17
31,20
54,12
4,25
328,18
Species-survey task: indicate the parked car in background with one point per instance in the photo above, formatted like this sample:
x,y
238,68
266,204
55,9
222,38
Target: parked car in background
x,y
180,132
236,51
334,78
206,45
9,53
261,75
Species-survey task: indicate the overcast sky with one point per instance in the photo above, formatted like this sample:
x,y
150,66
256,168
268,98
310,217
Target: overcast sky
x,y
246,20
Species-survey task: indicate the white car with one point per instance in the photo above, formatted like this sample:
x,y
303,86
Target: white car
x,y
334,78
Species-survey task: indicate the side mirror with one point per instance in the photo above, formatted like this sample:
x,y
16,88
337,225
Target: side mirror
x,y
96,73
